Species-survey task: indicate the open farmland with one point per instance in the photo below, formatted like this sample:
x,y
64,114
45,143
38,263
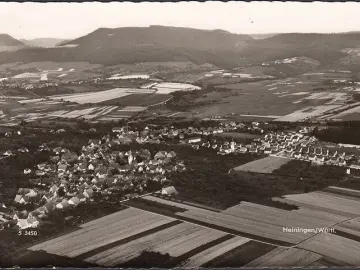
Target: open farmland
x,y
307,113
214,252
102,232
176,241
139,99
281,257
247,227
326,202
264,165
167,88
328,244
96,97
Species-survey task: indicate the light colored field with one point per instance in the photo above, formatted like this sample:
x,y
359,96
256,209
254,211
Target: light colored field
x,y
214,252
279,217
166,88
133,109
245,225
176,241
128,77
345,191
94,97
307,113
281,257
343,206
97,97
344,113
264,165
351,227
103,231
261,116
330,245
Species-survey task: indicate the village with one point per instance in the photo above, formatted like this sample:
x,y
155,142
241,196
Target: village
x,y
109,170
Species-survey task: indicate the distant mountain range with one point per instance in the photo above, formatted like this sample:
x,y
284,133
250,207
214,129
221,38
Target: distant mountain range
x,y
164,44
43,42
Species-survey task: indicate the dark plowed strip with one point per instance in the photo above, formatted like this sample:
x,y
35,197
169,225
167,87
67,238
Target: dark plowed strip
x,y
342,192
240,256
140,204
181,259
155,207
347,235
330,262
41,259
126,240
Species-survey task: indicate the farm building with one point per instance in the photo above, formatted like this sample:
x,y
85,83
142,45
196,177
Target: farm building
x,y
194,140
169,191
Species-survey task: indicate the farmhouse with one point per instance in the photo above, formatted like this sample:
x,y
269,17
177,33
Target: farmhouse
x,y
194,140
169,191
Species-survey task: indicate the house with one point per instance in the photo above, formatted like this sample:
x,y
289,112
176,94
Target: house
x,y
49,207
18,198
62,168
81,197
117,129
23,224
8,153
194,140
64,204
27,171
23,150
74,201
88,193
33,223
169,191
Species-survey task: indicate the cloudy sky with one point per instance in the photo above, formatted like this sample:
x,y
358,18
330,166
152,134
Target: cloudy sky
x,y
71,20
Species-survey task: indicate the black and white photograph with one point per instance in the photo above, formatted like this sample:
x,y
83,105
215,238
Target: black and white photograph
x,y
179,135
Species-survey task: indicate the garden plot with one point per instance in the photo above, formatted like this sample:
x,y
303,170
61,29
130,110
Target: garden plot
x,y
281,257
328,244
264,165
214,252
176,241
103,231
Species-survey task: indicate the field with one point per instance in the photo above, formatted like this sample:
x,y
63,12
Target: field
x,y
167,88
264,165
241,255
175,241
267,98
307,113
281,257
328,244
325,201
214,252
97,97
51,71
102,232
139,100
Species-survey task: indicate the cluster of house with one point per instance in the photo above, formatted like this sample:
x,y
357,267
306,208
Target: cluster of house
x,y
99,172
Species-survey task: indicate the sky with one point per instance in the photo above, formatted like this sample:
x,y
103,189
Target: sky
x,y
72,20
